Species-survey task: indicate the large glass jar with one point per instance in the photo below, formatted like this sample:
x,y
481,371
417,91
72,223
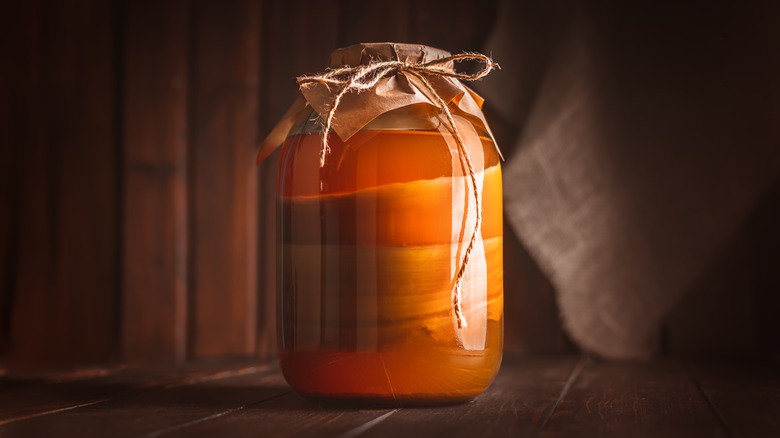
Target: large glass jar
x,y
369,245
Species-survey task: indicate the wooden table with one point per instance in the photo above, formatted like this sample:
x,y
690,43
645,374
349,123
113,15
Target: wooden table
x,y
531,396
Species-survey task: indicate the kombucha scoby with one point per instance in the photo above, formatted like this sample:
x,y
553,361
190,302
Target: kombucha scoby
x,y
369,248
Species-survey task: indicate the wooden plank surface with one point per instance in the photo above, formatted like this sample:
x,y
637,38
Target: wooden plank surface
x,y
517,404
532,396
15,119
746,396
656,398
38,394
159,409
154,298
287,416
223,233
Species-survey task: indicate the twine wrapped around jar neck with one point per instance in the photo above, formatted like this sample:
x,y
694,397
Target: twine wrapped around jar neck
x,y
363,77
366,76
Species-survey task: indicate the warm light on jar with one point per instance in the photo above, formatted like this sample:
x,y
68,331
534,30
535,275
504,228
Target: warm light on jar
x,y
370,244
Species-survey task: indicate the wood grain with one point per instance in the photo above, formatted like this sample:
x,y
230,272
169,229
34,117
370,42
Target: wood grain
x,y
746,396
65,297
516,404
286,416
375,21
95,405
764,244
656,398
223,178
299,38
127,182
532,396
455,26
154,262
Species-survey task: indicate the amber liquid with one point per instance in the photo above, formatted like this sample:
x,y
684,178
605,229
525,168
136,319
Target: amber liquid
x,y
369,247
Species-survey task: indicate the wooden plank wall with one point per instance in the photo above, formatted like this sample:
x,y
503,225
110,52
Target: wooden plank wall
x,y
61,219
134,223
155,168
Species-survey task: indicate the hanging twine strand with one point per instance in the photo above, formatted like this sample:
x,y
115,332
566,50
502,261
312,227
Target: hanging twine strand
x,y
364,77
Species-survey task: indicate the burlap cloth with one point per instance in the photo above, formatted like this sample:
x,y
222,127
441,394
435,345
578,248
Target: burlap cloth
x,y
645,135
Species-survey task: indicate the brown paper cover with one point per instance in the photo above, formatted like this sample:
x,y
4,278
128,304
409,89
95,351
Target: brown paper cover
x,y
395,91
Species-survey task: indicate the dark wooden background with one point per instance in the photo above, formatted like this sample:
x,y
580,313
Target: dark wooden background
x,y
134,224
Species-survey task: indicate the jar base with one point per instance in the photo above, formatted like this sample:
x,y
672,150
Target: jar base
x,y
409,377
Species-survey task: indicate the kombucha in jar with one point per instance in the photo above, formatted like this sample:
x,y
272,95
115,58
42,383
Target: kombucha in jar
x,y
369,246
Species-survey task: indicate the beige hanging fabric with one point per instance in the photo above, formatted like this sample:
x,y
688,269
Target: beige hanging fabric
x,y
644,143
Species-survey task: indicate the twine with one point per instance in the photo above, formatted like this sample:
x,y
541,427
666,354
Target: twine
x,y
364,77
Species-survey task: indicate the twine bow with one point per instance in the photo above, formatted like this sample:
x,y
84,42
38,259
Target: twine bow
x,y
364,77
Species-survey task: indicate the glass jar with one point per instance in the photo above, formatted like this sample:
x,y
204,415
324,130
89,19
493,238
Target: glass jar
x,y
369,245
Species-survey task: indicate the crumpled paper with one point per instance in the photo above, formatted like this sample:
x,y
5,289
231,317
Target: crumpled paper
x,y
358,109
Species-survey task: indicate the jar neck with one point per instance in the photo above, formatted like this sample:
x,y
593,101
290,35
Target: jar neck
x,y
410,118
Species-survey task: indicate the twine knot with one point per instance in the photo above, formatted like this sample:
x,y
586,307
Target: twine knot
x,y
366,76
